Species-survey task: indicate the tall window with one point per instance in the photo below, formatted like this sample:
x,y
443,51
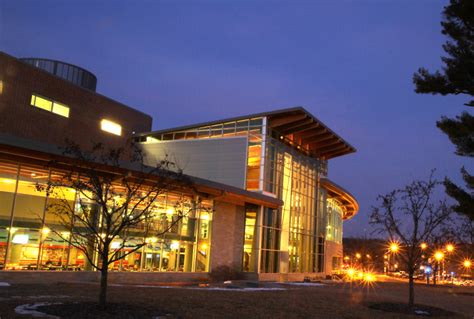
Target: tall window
x,y
49,105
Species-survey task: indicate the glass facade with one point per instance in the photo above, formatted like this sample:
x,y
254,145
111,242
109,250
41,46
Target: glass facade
x,y
290,239
334,215
31,236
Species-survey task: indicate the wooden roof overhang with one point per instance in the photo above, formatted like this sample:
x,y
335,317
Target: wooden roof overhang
x,y
294,125
349,204
14,152
303,129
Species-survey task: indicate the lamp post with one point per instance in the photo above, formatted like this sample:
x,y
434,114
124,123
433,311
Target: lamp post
x,y
448,249
439,256
393,249
467,264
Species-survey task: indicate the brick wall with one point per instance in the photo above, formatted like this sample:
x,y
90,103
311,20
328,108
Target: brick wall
x,y
227,235
87,108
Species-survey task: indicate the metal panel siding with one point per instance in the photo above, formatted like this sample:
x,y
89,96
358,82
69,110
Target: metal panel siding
x,y
222,160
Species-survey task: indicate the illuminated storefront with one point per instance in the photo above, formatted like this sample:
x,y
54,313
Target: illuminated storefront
x,y
31,236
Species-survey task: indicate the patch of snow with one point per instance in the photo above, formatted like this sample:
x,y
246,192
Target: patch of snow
x,y
4,284
308,284
422,313
227,282
144,286
238,289
201,288
30,310
40,297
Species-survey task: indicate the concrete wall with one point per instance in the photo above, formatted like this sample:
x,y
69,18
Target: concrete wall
x,y
18,81
227,235
222,160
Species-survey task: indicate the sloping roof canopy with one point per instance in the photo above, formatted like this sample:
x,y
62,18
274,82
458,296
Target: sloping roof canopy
x,y
348,202
295,125
302,128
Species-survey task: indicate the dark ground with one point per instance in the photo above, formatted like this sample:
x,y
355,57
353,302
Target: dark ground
x,y
328,301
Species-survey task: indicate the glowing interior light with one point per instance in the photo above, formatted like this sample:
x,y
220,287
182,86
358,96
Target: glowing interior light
x,y
151,240
115,245
111,127
20,239
42,103
65,234
7,181
174,245
170,211
60,109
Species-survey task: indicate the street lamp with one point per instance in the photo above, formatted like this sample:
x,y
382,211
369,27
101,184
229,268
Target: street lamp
x,y
439,255
467,264
358,256
449,248
394,247
423,246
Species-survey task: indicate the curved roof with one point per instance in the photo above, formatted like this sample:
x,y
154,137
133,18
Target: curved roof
x,y
348,202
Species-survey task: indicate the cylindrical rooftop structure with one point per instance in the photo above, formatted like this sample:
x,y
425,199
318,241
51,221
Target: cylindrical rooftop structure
x,y
66,71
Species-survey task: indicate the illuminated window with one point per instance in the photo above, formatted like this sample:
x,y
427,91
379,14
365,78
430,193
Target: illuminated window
x,y
60,109
111,127
49,105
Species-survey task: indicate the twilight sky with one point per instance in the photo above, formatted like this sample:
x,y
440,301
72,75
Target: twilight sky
x,y
350,63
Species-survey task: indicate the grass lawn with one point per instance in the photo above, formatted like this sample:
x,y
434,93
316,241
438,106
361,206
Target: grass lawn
x,y
328,301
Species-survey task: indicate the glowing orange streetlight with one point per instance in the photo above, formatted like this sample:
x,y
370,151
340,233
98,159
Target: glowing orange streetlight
x,y
358,256
467,264
439,255
394,247
424,246
449,248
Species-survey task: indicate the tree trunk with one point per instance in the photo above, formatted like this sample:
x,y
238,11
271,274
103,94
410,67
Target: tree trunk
x,y
435,272
103,284
411,289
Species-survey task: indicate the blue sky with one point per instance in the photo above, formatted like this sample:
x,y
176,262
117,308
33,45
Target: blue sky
x,y
350,63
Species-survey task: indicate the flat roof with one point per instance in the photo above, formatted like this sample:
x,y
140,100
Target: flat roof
x,y
304,128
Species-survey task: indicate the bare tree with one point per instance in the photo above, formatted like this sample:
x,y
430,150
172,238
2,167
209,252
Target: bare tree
x,y
411,216
116,197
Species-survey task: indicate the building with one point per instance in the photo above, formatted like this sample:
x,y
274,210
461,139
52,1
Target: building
x,y
275,214
282,154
